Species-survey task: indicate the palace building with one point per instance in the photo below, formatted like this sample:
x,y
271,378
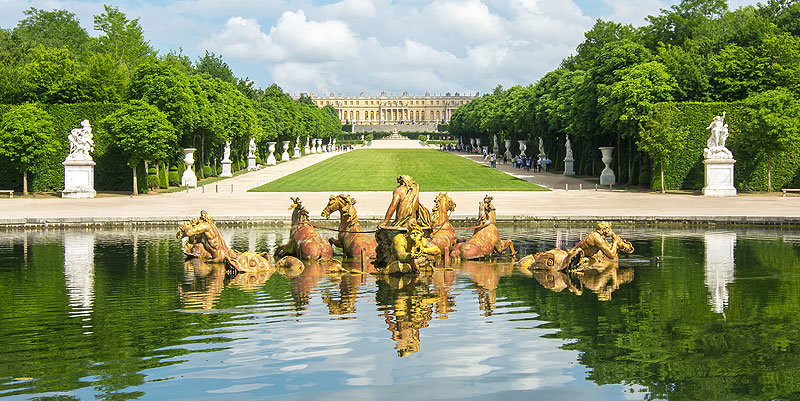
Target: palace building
x,y
394,110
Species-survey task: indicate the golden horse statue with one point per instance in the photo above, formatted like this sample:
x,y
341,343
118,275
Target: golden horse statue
x,y
304,241
444,235
203,232
486,239
351,238
592,251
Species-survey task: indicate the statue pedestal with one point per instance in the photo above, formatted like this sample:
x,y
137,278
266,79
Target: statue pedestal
x,y
251,163
188,179
568,168
543,161
271,158
285,153
296,152
607,177
719,177
226,168
78,179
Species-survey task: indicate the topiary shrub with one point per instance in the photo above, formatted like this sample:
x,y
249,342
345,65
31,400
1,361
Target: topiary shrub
x,y
644,178
422,138
163,178
207,171
152,178
174,177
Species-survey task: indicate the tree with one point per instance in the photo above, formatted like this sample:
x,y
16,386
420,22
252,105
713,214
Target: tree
x,y
142,132
661,135
122,38
51,29
679,23
26,134
105,79
771,124
52,77
163,85
214,65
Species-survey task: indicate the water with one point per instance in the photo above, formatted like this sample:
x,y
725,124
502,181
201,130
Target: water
x,y
116,314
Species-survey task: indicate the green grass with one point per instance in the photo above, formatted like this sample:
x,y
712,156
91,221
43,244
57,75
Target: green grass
x,y
377,170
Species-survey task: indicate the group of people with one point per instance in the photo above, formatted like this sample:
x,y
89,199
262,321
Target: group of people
x,y
531,163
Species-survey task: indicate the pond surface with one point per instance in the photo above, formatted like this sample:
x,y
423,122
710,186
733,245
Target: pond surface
x,y
693,314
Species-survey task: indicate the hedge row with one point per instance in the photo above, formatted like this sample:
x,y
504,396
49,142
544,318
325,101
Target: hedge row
x,y
111,172
684,168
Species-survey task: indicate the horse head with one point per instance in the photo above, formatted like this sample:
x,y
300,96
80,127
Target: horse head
x,y
300,213
443,204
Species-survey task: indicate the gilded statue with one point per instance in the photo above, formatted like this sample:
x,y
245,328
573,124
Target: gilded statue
x,y
205,242
351,237
405,205
412,251
592,250
304,241
444,234
486,239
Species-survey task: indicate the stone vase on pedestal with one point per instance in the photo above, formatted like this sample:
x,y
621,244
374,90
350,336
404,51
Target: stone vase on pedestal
x,y
189,179
508,149
478,144
285,153
319,145
607,177
78,179
719,177
523,145
313,145
271,158
226,168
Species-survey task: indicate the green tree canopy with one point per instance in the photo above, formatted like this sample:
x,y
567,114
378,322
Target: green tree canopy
x,y
771,124
26,133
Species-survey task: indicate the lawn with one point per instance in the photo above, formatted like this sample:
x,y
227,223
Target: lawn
x,y
377,170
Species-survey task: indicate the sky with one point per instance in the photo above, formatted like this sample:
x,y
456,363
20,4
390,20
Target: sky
x,y
369,46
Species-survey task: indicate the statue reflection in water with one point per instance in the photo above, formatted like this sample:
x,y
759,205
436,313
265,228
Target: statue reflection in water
x,y
486,277
205,282
408,303
601,280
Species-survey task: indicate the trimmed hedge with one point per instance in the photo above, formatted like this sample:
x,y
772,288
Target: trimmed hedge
x,y
48,175
684,168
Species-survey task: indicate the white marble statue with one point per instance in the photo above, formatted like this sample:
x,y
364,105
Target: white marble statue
x,y
80,142
716,143
541,146
568,146
251,150
226,155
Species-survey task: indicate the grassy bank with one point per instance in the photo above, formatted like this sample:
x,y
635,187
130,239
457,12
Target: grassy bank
x,y
377,170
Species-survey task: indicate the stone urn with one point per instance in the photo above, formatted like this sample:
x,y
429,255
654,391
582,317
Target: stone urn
x,y
318,143
285,153
189,179
508,149
313,145
523,145
607,177
271,158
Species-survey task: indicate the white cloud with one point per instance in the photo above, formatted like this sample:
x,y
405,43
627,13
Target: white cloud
x,y
471,19
634,11
306,40
243,38
350,9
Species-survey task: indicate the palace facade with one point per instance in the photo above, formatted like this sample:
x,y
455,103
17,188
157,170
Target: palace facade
x,y
394,110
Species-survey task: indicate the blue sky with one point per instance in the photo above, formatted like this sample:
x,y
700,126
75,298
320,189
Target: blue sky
x,y
354,46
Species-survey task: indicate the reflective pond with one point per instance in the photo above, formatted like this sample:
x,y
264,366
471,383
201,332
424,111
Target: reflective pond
x,y
692,314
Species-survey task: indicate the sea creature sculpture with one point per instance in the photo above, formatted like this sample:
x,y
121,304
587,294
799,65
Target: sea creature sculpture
x,y
593,250
351,239
205,241
304,241
486,239
444,235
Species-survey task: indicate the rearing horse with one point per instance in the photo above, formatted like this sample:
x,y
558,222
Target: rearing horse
x,y
444,235
304,240
486,239
351,239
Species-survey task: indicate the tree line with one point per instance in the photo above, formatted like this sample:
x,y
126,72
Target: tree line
x,y
608,92
165,101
